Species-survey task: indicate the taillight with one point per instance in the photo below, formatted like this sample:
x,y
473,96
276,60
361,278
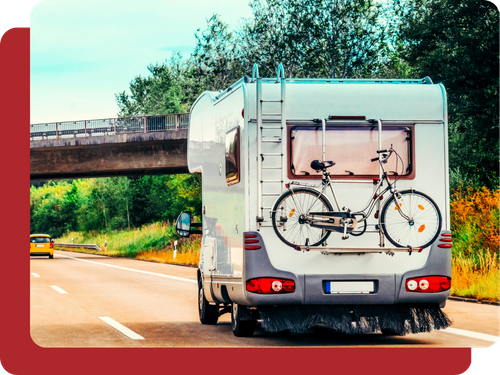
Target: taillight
x,y
251,239
446,237
270,285
51,245
429,284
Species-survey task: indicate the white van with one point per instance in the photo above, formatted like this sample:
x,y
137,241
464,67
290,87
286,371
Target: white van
x,y
280,246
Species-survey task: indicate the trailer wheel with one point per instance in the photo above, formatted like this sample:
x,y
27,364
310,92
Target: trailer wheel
x,y
209,314
241,328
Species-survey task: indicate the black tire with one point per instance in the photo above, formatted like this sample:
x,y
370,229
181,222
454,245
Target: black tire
x,y
424,214
292,203
209,314
51,256
241,328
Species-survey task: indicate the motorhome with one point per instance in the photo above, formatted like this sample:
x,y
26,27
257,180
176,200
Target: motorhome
x,y
269,147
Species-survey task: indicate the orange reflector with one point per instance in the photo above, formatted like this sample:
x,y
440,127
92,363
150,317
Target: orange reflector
x,y
421,207
291,212
397,207
422,228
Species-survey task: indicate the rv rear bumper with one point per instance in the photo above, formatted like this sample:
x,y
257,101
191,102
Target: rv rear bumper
x,y
381,289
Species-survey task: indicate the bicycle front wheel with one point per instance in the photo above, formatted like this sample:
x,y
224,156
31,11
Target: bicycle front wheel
x,y
289,217
415,222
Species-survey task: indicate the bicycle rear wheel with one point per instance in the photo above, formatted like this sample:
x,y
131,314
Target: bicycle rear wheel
x,y
288,220
424,223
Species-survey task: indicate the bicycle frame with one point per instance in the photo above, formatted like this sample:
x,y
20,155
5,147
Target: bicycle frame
x,y
367,210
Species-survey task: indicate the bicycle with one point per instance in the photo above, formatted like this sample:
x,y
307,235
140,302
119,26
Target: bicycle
x,y
304,216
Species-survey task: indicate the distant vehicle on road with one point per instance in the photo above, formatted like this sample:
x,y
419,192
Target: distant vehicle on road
x,y
41,245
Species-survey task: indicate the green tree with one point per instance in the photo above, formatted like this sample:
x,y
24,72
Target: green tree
x,y
160,93
214,65
315,38
456,43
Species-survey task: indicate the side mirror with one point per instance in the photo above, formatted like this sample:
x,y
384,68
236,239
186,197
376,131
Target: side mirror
x,y
183,224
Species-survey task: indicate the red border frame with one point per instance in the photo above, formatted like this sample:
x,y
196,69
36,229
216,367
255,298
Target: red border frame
x,y
19,354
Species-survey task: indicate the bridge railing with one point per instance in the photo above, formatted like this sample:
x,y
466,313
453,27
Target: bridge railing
x,y
88,128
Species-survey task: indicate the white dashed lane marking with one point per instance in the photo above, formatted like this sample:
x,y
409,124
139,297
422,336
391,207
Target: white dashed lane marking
x,y
120,327
58,289
35,274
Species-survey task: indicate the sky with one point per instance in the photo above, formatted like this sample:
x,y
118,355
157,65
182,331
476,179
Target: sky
x,y
85,52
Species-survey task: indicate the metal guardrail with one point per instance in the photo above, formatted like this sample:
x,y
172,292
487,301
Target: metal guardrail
x,y
88,128
78,245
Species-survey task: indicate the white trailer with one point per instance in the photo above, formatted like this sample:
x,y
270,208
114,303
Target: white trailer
x,y
255,141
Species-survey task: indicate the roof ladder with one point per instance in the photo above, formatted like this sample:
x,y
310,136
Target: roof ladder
x,y
274,118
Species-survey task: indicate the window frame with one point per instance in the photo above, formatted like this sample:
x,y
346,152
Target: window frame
x,y
292,176
237,138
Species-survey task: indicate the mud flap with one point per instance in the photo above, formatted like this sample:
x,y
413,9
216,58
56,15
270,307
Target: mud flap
x,y
354,319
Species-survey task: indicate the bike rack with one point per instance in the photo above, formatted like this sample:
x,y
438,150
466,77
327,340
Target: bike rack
x,y
346,250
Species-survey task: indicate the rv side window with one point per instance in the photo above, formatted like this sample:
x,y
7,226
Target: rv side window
x,y
233,156
351,148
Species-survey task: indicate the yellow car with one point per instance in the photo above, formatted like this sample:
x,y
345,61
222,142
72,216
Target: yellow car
x,y
40,244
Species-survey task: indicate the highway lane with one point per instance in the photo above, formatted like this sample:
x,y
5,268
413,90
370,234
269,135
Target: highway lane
x,y
117,302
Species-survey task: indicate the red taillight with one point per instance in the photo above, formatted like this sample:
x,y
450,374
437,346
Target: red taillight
x,y
252,247
249,241
446,238
51,246
429,284
270,285
287,186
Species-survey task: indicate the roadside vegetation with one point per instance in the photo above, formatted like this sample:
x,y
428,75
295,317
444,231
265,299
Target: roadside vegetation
x,y
475,229
453,42
153,242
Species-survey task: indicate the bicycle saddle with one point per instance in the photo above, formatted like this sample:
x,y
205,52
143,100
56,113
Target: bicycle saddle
x,y
319,165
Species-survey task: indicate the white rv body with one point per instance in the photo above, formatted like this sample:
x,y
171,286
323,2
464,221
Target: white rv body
x,y
229,211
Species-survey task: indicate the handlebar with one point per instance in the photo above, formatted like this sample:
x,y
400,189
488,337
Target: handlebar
x,y
384,156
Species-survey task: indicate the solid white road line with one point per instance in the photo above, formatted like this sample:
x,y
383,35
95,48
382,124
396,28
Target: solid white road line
x,y
133,270
474,335
35,274
120,327
58,289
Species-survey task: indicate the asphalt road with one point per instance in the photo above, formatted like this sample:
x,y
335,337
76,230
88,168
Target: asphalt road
x,y
84,300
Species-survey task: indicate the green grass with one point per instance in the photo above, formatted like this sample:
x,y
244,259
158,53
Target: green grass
x,y
126,243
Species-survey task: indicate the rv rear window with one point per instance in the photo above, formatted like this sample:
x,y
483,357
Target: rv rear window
x,y
233,156
351,148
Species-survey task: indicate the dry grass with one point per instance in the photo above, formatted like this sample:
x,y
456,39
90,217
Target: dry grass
x,y
475,227
188,253
481,282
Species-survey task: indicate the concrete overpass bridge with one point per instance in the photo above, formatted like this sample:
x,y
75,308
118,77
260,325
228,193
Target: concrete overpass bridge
x,y
109,147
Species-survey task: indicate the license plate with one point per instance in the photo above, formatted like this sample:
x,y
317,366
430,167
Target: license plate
x,y
353,287
40,245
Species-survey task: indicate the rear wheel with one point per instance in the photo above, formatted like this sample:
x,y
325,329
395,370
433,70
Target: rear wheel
x,y
289,217
209,314
51,256
422,223
241,328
